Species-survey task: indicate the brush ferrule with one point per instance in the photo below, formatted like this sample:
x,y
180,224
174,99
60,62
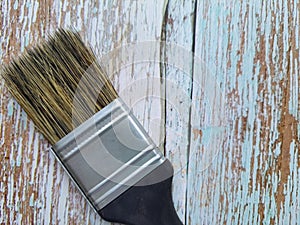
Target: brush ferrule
x,y
108,154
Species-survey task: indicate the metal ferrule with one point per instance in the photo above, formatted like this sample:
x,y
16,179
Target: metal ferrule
x,y
108,154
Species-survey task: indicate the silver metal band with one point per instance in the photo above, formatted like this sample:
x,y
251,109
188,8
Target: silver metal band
x,y
108,154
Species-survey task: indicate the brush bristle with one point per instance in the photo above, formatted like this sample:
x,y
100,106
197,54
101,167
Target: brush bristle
x,y
45,82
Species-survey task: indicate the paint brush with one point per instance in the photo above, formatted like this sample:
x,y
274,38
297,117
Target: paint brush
x,y
95,137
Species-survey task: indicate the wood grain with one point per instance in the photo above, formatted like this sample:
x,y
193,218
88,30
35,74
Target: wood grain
x,y
216,84
252,49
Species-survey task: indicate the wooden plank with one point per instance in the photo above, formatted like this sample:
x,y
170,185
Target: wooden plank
x,y
34,189
252,51
24,154
177,64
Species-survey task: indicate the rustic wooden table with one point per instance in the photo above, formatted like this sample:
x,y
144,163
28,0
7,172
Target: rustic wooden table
x,y
227,116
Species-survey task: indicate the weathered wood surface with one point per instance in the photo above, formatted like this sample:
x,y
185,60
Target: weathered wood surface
x,y
231,128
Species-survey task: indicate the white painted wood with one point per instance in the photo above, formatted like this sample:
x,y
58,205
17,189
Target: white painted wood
x,y
177,67
44,194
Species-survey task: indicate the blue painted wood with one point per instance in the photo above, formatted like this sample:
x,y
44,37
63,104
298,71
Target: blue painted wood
x,y
252,51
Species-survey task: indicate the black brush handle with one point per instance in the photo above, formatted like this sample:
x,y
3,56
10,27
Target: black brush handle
x,y
146,204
